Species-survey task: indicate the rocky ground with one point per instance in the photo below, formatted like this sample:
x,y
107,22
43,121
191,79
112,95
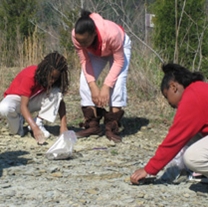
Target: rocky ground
x,y
98,172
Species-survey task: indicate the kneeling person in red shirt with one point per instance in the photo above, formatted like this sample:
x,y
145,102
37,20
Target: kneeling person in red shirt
x,y
37,88
186,91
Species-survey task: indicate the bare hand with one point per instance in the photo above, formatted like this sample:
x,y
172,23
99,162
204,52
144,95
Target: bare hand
x,y
104,96
63,129
39,136
95,92
138,175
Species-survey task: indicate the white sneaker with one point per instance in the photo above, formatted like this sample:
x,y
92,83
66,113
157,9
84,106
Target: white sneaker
x,y
45,132
39,122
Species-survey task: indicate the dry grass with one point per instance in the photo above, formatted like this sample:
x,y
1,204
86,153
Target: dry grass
x,y
28,51
143,79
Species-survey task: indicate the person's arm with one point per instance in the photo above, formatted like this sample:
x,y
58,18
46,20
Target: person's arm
x,y
111,78
87,70
38,134
115,43
62,115
188,121
84,60
104,96
95,92
138,175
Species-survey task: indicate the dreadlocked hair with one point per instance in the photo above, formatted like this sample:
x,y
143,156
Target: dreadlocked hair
x,y
53,61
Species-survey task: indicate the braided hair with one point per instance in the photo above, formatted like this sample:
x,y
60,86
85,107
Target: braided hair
x,y
179,74
53,61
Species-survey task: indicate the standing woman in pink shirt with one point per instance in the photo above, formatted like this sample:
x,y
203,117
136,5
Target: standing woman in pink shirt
x,y
99,41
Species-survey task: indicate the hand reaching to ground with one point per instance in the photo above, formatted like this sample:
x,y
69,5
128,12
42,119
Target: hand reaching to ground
x,y
39,136
138,175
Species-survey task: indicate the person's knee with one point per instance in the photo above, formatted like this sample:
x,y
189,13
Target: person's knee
x,y
194,160
188,159
4,109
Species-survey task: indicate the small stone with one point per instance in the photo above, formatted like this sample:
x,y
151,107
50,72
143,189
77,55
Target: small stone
x,y
6,185
57,174
186,195
127,180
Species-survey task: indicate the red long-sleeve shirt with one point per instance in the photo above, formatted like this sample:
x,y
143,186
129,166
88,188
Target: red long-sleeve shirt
x,y
191,118
24,83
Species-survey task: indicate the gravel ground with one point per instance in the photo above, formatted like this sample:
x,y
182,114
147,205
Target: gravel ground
x,y
98,172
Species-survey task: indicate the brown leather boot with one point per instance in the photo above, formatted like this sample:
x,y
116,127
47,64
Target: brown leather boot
x,y
112,124
91,125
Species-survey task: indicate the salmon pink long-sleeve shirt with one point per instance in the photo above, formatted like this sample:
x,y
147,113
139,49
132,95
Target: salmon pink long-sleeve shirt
x,y
112,38
191,118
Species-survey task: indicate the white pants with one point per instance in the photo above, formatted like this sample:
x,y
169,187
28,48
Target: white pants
x,y
118,92
47,105
196,156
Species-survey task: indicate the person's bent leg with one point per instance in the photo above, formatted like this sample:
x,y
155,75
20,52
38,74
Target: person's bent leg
x,y
92,114
118,97
47,106
10,108
196,157
112,123
91,125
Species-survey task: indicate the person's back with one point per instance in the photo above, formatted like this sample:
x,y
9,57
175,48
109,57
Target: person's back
x,y
195,104
24,83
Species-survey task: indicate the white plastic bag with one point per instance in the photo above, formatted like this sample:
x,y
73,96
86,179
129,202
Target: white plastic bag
x,y
175,167
63,147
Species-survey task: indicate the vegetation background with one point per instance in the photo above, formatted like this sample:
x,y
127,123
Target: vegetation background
x,y
161,31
